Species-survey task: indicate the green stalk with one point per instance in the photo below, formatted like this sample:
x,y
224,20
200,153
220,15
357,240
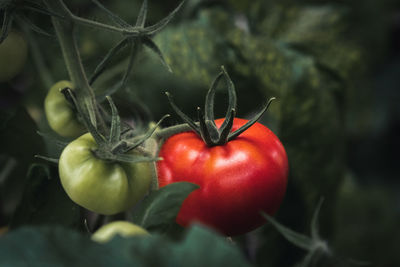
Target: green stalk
x,y
169,131
64,29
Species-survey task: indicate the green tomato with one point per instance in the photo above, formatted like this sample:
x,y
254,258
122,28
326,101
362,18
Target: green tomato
x,y
13,54
102,186
122,228
59,112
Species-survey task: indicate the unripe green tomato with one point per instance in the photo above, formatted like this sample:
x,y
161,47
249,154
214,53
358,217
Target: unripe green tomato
x,y
122,228
60,114
102,186
13,54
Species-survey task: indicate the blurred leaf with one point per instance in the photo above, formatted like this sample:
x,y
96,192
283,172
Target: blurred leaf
x,y
297,239
56,246
44,201
19,143
367,219
195,50
158,211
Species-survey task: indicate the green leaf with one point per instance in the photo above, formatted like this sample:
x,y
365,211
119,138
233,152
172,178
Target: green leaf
x,y
159,209
300,240
56,246
44,200
19,143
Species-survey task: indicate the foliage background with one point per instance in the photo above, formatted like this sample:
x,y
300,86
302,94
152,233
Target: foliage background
x,y
334,67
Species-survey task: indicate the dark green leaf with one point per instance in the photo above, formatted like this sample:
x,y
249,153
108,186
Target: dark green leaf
x,y
300,240
46,246
6,26
44,201
159,209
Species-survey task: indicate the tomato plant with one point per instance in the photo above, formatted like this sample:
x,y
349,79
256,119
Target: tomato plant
x,y
240,173
122,228
60,114
103,186
13,54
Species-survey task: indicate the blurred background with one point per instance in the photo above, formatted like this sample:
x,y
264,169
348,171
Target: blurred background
x,y
334,67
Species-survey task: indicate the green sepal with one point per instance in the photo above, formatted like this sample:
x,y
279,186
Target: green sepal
x,y
151,30
204,133
115,132
232,99
107,58
182,115
141,19
153,47
135,142
116,19
99,138
135,47
250,122
133,158
208,131
225,128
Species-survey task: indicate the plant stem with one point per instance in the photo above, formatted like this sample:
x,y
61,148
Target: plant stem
x,y
169,131
37,57
99,25
65,32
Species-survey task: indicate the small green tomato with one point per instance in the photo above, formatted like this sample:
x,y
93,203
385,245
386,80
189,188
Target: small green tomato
x,y
13,54
122,228
60,114
102,186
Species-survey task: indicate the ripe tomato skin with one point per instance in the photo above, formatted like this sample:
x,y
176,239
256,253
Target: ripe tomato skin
x,y
98,185
237,180
59,113
13,55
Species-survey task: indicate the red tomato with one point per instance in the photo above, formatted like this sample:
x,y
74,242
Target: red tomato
x,y
237,180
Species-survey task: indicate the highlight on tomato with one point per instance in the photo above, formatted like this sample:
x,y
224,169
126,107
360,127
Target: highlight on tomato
x,y
240,165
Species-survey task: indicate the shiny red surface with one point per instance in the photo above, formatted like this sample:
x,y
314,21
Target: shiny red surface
x,y
237,180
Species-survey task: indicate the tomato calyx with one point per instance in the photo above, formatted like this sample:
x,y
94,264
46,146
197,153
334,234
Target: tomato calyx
x,y
135,37
15,10
206,127
114,145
